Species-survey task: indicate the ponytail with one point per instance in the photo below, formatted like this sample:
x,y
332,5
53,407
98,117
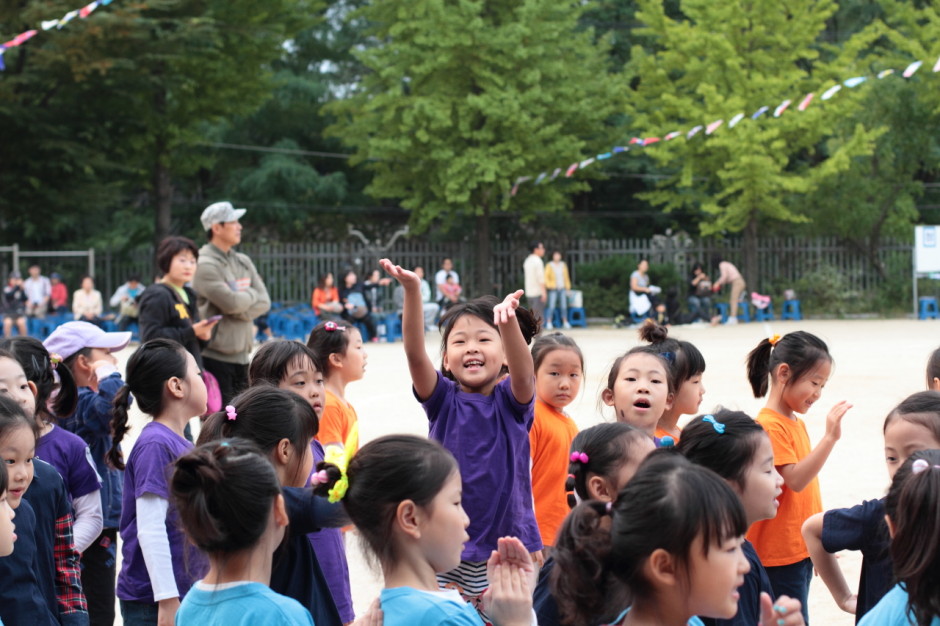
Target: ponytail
x,y
800,350
119,426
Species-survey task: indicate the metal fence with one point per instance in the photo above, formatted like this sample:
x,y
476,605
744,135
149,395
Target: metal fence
x,y
290,270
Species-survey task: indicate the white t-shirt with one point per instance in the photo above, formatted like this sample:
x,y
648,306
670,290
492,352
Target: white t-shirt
x,y
534,270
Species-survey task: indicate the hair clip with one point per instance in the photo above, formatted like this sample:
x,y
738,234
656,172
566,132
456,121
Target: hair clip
x,y
609,507
667,442
332,326
224,444
339,489
773,340
578,457
718,426
319,478
54,359
920,465
230,412
669,356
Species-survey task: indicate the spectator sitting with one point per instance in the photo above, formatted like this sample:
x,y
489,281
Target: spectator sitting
x,y
373,292
700,294
14,305
325,300
125,301
38,289
59,298
451,290
87,304
430,308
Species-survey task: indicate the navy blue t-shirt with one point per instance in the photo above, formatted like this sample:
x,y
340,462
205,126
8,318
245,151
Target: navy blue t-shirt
x,y
863,528
755,581
26,597
543,602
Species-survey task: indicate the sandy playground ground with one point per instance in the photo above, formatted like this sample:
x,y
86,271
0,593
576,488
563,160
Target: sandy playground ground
x,y
877,364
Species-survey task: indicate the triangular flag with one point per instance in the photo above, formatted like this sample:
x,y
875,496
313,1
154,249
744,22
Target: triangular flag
x,y
936,66
556,173
694,131
2,66
713,126
618,149
20,39
540,178
86,10
68,17
583,164
734,120
805,102
514,190
830,92
780,109
913,67
104,3
884,73
635,140
650,140
671,135
760,112
523,179
855,82
571,170
606,155
46,25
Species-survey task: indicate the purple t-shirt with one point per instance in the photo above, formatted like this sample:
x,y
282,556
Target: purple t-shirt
x,y
330,549
69,455
148,471
489,436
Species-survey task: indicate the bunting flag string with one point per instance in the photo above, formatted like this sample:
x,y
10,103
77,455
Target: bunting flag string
x,y
714,127
23,37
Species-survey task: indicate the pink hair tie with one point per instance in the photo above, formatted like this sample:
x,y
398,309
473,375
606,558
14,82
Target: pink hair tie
x,y
230,412
332,326
319,478
578,457
921,465
54,359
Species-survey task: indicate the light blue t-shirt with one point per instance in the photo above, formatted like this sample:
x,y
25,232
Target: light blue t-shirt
x,y
407,606
693,621
892,611
239,604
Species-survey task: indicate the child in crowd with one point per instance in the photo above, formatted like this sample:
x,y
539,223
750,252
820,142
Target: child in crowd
x,y
641,387
559,370
481,415
7,527
794,369
230,505
603,459
670,545
56,560
86,351
282,425
292,366
933,371
65,451
735,447
343,357
158,565
404,497
912,425
688,366
913,508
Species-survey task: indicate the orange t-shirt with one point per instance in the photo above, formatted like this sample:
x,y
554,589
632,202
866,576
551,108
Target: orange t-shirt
x,y
550,440
778,541
662,432
337,422
321,296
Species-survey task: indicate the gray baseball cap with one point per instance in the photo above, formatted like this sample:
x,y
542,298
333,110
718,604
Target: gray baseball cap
x,y
220,212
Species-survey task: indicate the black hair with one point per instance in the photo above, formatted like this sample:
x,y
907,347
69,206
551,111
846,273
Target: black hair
x,y
922,408
800,350
534,245
544,344
152,364
321,280
686,360
265,415
667,505
224,492
271,362
608,447
324,342
728,453
12,417
387,471
482,308
651,350
933,367
913,504
170,247
40,370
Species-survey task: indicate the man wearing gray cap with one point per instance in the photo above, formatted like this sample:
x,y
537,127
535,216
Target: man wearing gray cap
x,y
227,284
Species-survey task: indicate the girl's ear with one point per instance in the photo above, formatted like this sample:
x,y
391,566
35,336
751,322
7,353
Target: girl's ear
x,y
670,399
408,518
336,359
935,384
599,488
33,388
174,386
661,569
608,397
283,451
280,512
783,373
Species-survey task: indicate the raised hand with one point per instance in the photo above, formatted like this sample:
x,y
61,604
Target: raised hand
x,y
407,278
506,310
834,419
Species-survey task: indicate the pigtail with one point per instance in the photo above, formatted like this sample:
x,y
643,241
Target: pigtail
x,y
576,482
214,428
119,426
66,399
325,478
580,580
529,324
758,368
198,474
652,332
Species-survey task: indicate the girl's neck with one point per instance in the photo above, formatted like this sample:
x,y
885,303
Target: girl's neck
x,y
775,402
669,422
337,386
175,417
45,427
657,614
411,570
253,565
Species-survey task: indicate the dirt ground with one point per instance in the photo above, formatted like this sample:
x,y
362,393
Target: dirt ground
x,y
877,364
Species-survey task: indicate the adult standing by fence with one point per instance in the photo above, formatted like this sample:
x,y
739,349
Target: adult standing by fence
x,y
227,284
729,275
534,270
557,283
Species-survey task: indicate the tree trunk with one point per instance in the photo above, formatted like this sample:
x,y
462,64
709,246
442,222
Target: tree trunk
x,y
750,269
482,270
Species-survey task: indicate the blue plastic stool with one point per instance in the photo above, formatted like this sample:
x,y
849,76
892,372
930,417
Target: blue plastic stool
x,y
744,311
392,327
764,315
722,308
364,331
791,310
928,308
577,317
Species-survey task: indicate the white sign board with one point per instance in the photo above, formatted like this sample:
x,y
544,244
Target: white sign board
x,y
926,249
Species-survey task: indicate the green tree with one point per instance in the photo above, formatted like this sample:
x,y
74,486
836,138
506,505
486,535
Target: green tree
x,y
735,57
462,97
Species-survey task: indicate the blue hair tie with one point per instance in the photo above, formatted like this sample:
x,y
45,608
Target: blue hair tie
x,y
669,356
718,426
